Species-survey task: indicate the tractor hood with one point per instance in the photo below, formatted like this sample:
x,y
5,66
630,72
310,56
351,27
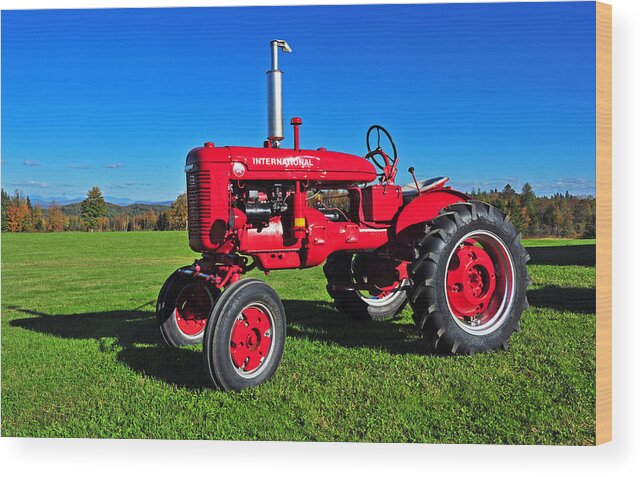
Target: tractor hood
x,y
257,163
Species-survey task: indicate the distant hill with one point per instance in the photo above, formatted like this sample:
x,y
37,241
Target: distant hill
x,y
45,202
114,210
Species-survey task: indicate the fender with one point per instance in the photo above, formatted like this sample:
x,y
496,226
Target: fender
x,y
423,208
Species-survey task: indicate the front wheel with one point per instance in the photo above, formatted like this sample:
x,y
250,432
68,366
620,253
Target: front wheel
x,y
245,335
183,308
469,280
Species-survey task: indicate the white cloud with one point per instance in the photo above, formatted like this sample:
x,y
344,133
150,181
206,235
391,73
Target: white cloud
x,y
122,185
40,185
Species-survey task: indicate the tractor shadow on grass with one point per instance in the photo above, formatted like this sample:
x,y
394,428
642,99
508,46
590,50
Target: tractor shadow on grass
x,y
574,300
319,321
132,334
582,255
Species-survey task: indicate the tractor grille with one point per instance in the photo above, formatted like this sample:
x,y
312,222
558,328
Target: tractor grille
x,y
199,211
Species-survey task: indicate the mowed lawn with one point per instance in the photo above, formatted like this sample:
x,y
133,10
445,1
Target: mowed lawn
x,y
82,356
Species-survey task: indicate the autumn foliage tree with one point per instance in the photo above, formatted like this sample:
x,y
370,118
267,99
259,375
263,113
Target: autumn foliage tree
x,y
55,219
19,218
178,213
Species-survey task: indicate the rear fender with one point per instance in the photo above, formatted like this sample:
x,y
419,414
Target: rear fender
x,y
409,222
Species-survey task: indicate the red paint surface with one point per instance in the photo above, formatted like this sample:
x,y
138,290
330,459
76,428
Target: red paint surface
x,y
192,309
250,339
471,280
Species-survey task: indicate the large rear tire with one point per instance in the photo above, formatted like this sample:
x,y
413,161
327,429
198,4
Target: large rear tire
x,y
342,267
245,335
183,308
469,280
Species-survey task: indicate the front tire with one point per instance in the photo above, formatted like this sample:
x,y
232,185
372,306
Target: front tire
x,y
469,280
245,335
183,307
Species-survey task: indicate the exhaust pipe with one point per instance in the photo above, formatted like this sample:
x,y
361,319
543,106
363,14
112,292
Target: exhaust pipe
x,y
275,112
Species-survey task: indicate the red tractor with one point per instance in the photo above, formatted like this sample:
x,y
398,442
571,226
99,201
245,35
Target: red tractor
x,y
458,262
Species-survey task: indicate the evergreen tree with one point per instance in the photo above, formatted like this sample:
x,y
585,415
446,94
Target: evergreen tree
x,y
528,202
163,221
5,204
514,212
28,218
39,223
93,208
527,198
508,192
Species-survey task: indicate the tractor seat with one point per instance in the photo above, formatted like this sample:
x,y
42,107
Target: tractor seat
x,y
409,191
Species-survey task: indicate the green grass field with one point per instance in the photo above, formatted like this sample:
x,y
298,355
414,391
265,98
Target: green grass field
x,y
82,356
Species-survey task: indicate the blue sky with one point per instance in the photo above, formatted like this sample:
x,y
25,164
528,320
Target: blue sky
x,y
483,93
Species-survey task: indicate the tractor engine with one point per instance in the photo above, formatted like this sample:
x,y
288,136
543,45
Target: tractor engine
x,y
244,199
260,203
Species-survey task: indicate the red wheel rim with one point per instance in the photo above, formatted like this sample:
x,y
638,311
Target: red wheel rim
x,y
251,339
471,280
193,305
479,282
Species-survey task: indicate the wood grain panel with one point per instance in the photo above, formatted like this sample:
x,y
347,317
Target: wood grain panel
x,y
603,223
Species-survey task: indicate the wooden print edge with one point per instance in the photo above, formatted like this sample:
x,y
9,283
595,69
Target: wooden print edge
x,y
603,223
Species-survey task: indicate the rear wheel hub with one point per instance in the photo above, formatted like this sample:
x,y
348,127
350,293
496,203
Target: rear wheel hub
x,y
471,280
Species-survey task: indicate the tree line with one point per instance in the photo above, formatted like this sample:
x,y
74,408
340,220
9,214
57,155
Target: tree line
x,y
92,214
558,215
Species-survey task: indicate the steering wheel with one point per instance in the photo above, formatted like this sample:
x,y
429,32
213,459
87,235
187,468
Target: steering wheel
x,y
378,151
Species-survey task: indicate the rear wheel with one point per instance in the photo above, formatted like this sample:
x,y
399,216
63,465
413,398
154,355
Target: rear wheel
x,y
245,336
469,280
379,286
183,308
